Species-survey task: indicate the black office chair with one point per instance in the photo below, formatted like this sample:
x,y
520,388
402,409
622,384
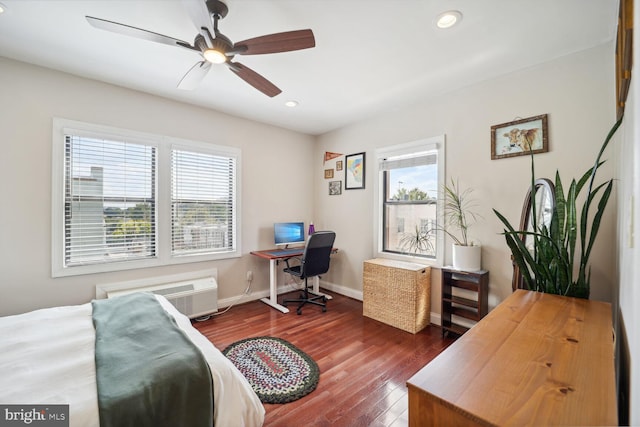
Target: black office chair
x,y
315,261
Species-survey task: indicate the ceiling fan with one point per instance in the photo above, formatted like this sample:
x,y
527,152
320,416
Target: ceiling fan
x,y
215,47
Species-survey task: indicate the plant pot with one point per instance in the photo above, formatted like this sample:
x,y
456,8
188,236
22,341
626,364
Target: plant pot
x,y
467,258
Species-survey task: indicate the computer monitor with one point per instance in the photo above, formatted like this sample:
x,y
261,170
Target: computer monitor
x,y
288,233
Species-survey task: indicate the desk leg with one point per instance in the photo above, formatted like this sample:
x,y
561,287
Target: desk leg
x,y
273,288
316,288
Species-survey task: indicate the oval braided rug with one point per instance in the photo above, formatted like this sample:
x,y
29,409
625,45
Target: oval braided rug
x,y
278,371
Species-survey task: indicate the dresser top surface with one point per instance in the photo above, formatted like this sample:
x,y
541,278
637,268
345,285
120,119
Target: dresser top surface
x,y
536,359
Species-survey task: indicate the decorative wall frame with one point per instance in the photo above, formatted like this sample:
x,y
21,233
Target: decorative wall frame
x,y
328,173
624,54
335,188
520,137
339,165
354,171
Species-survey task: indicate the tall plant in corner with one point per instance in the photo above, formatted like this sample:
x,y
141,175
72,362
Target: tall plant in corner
x,y
552,266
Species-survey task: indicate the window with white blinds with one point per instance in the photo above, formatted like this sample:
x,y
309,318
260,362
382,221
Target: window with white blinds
x,y
123,199
408,202
202,202
110,201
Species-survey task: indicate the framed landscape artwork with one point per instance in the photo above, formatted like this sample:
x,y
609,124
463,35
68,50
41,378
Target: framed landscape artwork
x,y
520,137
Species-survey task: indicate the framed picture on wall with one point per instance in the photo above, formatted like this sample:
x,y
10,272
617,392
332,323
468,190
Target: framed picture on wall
x,y
354,171
520,137
339,165
335,188
328,173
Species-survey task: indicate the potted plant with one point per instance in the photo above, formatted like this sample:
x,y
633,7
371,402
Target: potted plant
x,y
459,216
549,264
419,241
459,213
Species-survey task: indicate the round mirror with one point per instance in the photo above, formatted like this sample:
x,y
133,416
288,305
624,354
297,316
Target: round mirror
x,y
545,202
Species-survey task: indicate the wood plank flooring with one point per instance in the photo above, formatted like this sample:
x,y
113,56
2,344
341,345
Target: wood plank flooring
x,y
364,363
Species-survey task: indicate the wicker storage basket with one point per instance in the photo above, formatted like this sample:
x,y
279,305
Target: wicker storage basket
x,y
397,293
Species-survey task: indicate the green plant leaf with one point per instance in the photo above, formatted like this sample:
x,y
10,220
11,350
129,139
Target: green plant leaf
x,y
551,265
602,205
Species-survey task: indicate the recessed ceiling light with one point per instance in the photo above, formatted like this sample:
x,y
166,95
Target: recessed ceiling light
x,y
448,19
291,103
3,8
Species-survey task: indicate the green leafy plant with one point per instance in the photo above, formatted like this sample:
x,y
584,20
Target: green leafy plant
x,y
552,266
459,213
419,241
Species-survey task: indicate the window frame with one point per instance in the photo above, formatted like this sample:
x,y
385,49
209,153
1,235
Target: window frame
x,y
164,146
427,144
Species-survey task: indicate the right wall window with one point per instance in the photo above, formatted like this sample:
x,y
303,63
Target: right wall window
x,y
408,200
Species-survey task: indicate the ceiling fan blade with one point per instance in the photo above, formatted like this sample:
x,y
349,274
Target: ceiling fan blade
x,y
128,30
254,79
197,11
274,43
194,76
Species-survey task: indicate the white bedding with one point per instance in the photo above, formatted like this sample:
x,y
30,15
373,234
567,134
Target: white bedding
x,y
47,357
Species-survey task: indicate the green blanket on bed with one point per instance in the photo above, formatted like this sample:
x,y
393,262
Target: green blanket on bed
x,y
148,371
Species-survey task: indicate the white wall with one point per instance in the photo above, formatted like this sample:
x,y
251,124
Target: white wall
x,y
31,96
628,174
576,91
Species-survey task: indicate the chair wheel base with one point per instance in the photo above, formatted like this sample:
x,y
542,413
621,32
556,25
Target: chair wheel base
x,y
308,298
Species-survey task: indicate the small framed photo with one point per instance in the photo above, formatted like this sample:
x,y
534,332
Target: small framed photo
x,y
335,188
328,173
520,137
339,165
354,171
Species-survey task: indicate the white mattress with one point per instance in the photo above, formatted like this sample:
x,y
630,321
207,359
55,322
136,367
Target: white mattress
x,y
47,357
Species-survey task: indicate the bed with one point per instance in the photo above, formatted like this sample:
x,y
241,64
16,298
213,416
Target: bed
x,y
48,357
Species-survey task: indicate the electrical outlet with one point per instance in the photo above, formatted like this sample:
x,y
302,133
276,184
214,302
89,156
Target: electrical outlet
x,y
249,276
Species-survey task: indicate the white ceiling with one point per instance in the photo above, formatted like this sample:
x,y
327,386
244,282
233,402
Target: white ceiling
x,y
371,56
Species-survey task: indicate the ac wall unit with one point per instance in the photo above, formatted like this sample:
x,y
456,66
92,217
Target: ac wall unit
x,y
193,298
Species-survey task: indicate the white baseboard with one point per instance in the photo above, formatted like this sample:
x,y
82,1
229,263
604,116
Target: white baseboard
x,y
342,290
352,293
241,299
436,319
339,289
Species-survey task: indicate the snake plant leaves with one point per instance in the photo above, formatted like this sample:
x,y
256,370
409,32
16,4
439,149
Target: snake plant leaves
x,y
550,265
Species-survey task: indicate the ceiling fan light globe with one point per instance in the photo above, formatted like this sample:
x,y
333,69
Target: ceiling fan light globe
x,y
214,56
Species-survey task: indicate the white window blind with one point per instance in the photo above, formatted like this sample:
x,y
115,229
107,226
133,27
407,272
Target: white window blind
x,y
407,161
123,199
109,202
202,202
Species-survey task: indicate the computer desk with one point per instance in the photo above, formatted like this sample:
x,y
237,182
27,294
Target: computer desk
x,y
275,256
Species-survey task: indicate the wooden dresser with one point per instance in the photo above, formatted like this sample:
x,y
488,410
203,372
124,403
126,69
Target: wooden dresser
x,y
536,359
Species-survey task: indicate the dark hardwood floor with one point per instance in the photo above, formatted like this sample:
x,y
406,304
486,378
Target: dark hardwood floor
x,y
364,363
